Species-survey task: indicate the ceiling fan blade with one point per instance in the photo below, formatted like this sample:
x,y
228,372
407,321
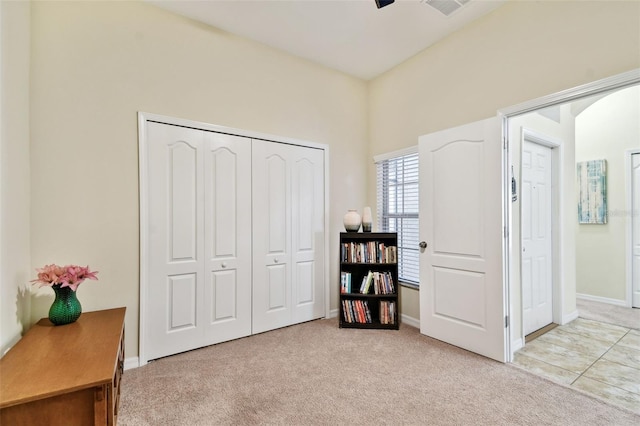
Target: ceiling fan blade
x,y
383,3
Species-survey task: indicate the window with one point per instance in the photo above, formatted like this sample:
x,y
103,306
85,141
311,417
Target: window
x,y
397,208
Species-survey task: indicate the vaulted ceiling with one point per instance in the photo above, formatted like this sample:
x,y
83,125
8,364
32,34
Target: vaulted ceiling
x,y
352,36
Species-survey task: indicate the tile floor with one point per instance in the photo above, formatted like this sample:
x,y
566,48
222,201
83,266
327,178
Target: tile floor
x,y
593,356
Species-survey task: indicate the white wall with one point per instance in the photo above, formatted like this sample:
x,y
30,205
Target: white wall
x,y
605,130
14,172
521,51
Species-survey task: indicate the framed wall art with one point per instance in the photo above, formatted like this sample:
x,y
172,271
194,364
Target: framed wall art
x,y
592,191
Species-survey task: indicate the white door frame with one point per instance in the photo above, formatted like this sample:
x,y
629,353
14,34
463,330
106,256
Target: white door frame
x,y
618,81
143,118
628,155
557,207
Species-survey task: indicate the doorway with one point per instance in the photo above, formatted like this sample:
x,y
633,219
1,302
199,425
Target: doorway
x,y
538,221
545,115
633,202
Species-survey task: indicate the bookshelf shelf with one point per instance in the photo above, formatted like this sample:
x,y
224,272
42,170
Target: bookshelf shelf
x,y
369,280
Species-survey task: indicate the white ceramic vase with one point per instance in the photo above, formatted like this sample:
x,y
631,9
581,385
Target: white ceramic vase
x,y
352,221
366,219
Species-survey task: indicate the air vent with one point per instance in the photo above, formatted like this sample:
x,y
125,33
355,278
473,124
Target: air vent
x,y
446,7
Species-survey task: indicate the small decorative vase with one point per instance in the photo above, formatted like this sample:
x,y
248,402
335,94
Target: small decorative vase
x,y
366,219
351,221
66,308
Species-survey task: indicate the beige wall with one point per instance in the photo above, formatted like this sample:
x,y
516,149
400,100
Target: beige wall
x,y
606,130
95,65
519,52
14,172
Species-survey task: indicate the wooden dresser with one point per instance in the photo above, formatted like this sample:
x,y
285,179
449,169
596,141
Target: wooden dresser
x,y
65,375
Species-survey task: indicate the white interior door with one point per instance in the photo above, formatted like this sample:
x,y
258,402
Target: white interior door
x,y
199,244
536,214
635,229
461,219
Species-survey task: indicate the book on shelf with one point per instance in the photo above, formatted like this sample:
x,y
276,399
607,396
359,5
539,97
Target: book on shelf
x,y
387,312
345,282
379,282
356,311
368,252
367,280
383,283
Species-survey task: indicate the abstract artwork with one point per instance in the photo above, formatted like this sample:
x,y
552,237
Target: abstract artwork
x,y
592,191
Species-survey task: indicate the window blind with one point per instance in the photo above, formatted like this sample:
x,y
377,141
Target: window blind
x,y
397,209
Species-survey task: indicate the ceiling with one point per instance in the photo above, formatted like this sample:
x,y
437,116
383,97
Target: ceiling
x,y
352,36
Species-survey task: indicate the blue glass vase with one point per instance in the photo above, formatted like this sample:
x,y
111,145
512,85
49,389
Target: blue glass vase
x,y
66,308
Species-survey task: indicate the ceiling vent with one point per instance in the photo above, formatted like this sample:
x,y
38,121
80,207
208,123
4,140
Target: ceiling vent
x,y
446,7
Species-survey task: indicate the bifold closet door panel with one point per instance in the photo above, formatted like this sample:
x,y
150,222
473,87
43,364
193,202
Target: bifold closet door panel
x,y
227,232
307,189
175,254
199,239
271,235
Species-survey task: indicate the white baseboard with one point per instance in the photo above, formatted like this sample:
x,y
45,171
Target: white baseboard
x,y
566,319
333,313
132,362
600,299
413,322
516,345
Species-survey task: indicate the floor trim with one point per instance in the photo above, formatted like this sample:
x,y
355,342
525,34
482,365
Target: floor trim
x,y
600,299
532,336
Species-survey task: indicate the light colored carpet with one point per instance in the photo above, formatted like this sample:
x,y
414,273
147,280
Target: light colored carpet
x,y
318,374
611,314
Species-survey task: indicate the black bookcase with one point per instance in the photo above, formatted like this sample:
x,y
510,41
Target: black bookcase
x,y
369,280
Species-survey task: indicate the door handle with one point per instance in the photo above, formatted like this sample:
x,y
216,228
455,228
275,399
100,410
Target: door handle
x,y
275,260
423,244
224,264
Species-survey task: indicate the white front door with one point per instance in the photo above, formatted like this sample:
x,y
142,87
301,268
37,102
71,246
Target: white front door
x,y
199,239
635,229
288,235
461,220
536,214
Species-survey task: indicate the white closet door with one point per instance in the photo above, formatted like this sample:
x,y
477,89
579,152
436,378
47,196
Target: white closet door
x,y
271,236
288,235
199,289
227,225
307,188
175,245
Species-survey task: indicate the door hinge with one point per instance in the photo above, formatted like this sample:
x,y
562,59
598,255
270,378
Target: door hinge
x,y
506,321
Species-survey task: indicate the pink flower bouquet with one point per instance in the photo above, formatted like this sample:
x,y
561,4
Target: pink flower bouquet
x,y
64,276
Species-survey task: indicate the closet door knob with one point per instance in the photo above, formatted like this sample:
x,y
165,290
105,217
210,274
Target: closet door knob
x,y
224,264
423,244
275,260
